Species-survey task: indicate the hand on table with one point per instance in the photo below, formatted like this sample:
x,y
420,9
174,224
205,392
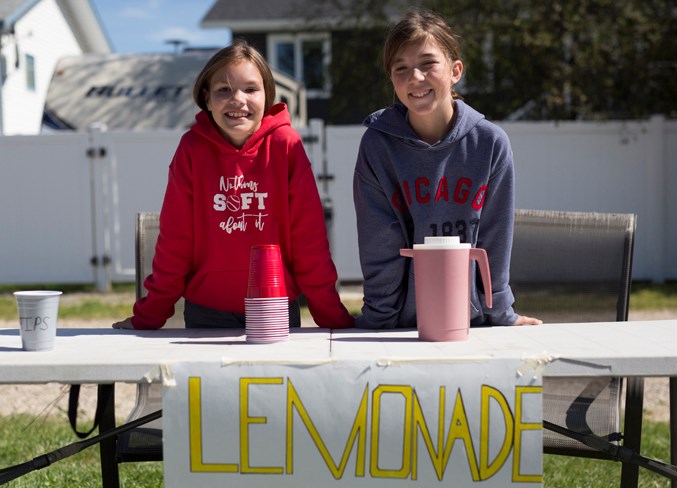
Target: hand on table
x,y
124,324
524,320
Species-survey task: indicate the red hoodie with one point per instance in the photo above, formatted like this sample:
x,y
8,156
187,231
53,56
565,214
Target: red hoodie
x,y
219,202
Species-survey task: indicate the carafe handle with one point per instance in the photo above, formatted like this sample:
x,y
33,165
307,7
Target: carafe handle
x,y
480,255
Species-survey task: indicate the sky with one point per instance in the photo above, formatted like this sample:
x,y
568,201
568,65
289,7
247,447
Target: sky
x,y
145,26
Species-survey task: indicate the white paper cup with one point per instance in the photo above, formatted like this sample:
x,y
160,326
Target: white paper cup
x,y
38,313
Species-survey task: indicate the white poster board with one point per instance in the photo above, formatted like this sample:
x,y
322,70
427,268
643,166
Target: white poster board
x,y
352,424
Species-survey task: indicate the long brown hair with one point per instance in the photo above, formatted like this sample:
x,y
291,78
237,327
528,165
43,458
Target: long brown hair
x,y
421,25
238,51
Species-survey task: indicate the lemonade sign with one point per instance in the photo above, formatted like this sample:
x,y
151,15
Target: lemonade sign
x,y
353,424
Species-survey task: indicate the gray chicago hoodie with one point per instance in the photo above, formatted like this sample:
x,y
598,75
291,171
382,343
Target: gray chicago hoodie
x,y
406,189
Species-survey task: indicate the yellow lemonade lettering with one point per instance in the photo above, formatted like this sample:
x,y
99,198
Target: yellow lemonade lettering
x,y
488,469
197,463
459,429
358,434
394,410
246,420
407,393
520,426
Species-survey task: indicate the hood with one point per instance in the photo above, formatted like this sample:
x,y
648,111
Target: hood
x,y
393,121
277,116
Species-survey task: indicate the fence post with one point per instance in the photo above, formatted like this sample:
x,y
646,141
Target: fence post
x,y
315,144
97,154
656,163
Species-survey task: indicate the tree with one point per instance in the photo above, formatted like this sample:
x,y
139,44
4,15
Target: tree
x,y
570,59
564,59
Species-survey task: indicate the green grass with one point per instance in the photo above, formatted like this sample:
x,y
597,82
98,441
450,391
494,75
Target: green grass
x,y
91,305
77,302
23,439
649,296
95,309
66,288
573,472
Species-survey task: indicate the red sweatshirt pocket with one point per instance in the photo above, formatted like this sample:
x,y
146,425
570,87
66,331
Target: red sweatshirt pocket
x,y
220,290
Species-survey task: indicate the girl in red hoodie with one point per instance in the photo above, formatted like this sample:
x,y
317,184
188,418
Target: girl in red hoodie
x,y
240,177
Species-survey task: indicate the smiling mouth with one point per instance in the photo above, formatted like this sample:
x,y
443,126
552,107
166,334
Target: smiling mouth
x,y
420,94
237,115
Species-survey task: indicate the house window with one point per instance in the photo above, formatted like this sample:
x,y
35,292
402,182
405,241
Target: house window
x,y
30,72
284,58
304,57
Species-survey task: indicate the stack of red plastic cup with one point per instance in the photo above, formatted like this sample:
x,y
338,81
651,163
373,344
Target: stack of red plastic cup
x,y
267,305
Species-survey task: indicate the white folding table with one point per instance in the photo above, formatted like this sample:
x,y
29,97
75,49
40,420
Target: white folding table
x,y
107,356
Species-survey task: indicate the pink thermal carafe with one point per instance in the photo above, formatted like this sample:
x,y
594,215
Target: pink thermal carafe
x,y
442,280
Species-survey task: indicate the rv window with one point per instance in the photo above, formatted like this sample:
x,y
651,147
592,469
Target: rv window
x,y
30,72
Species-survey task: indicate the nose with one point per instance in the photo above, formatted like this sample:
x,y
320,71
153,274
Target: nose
x,y
416,74
237,97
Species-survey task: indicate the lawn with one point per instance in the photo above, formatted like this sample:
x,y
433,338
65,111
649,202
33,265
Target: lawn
x,y
24,438
82,302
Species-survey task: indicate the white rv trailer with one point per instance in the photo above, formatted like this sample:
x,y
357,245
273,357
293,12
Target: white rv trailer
x,y
139,92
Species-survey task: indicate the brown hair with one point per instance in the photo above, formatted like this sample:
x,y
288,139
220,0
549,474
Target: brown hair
x,y
416,26
238,51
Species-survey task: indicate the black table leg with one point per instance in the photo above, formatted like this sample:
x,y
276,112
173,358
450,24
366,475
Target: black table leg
x,y
632,435
109,466
673,425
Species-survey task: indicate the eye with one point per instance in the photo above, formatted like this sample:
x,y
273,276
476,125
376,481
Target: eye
x,y
220,88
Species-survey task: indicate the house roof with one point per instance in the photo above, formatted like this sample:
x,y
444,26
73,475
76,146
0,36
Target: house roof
x,y
80,15
281,15
86,25
12,10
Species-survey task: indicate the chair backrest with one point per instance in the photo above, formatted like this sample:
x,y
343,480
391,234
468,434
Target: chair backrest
x,y
147,231
575,267
572,266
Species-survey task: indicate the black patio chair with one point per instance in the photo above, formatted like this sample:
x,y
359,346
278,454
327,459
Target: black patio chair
x,y
144,443
577,267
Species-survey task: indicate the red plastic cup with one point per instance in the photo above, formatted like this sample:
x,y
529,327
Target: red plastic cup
x,y
266,274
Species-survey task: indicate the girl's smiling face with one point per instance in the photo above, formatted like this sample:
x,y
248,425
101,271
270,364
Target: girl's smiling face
x,y
236,99
422,76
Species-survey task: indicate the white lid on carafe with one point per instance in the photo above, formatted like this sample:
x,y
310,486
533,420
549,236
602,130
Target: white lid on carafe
x,y
442,242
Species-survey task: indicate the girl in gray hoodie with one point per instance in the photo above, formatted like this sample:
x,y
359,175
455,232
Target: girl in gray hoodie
x,y
430,165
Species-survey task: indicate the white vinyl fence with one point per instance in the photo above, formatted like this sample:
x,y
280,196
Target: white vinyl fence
x,y
69,203
69,200
616,167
